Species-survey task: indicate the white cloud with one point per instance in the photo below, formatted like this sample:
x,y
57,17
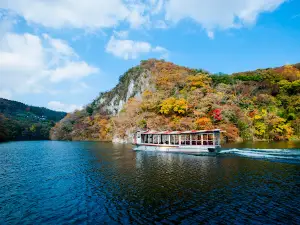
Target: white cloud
x,y
66,13
129,49
159,49
72,70
138,16
210,34
121,34
59,106
60,46
29,64
97,14
164,53
21,64
219,14
83,14
86,14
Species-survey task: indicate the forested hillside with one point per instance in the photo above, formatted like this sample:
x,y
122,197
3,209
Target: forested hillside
x,y
22,122
256,105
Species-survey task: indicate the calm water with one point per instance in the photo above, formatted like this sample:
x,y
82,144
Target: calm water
x,y
87,183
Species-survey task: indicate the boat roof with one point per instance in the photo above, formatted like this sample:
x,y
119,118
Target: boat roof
x,y
180,132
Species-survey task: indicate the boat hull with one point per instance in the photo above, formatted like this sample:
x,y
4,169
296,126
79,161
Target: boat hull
x,y
178,149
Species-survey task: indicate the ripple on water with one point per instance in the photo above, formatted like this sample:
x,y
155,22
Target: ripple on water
x,y
87,182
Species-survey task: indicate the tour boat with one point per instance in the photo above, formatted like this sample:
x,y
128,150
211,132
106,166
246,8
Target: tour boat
x,y
195,141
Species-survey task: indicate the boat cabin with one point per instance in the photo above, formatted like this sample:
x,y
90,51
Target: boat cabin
x,y
179,138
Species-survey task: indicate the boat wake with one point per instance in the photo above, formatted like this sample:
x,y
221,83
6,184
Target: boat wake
x,y
290,155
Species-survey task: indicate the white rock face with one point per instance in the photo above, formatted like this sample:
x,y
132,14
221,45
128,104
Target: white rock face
x,y
120,140
102,100
127,140
135,88
130,89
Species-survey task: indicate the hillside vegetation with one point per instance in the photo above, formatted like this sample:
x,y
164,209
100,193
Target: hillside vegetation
x,y
23,122
256,105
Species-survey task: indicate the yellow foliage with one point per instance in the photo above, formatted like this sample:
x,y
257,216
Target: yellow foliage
x,y
146,94
279,129
167,105
180,106
173,105
260,129
291,73
257,117
199,80
263,113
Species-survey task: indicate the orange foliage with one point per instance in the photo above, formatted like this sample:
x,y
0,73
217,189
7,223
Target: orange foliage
x,y
204,123
104,129
231,132
168,75
289,72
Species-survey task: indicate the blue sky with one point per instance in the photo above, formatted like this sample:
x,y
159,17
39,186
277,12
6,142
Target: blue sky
x,y
60,54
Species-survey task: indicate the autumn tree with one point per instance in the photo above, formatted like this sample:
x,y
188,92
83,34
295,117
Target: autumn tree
x,y
173,105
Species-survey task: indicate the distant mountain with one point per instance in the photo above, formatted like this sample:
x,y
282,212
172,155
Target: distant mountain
x,y
255,105
19,121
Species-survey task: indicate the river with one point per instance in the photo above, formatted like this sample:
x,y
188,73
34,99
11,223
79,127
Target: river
x,y
52,182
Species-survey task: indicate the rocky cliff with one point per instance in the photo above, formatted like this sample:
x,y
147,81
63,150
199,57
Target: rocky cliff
x,y
132,84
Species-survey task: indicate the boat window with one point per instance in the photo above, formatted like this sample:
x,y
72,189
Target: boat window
x,y
150,138
199,142
155,139
172,139
184,138
217,138
160,139
210,139
188,139
176,138
165,139
205,139
194,139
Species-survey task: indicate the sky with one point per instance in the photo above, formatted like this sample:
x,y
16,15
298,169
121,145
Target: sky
x,y
61,54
